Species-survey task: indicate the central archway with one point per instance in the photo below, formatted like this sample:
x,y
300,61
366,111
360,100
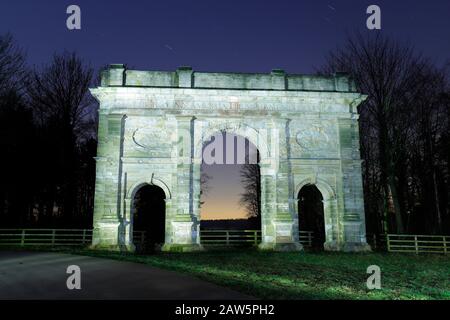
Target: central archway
x,y
230,189
149,216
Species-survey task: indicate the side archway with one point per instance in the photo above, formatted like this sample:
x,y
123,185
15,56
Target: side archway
x,y
153,181
146,211
327,196
325,189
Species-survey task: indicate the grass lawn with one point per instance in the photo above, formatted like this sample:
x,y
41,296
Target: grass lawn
x,y
324,275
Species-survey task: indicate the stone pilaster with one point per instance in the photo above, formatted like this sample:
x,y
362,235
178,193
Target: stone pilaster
x,y
353,218
107,205
185,225
283,227
333,235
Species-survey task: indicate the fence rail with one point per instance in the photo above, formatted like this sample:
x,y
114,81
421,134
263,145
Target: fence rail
x,y
243,237
82,237
306,238
417,243
230,237
45,237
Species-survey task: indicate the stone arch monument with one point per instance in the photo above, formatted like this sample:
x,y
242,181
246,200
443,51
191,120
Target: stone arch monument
x,y
152,126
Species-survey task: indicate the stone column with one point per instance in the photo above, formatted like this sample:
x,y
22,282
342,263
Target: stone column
x,y
127,227
267,209
107,204
333,238
196,189
185,224
353,218
280,228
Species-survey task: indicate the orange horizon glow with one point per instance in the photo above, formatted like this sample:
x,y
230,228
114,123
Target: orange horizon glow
x,y
225,186
222,200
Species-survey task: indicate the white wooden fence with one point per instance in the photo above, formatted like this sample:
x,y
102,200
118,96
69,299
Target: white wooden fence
x,y
53,237
82,237
417,243
243,237
45,237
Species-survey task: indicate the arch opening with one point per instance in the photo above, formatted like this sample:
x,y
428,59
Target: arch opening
x,y
149,216
311,215
230,185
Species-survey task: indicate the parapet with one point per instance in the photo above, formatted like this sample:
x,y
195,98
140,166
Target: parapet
x,y
185,77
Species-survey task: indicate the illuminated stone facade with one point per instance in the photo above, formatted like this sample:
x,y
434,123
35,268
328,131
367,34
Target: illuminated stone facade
x,y
152,126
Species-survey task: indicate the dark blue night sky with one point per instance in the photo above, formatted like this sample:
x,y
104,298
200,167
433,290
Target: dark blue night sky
x,y
242,36
247,36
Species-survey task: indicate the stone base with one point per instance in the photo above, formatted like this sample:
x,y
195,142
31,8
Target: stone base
x,y
172,247
118,248
347,246
282,247
356,247
331,246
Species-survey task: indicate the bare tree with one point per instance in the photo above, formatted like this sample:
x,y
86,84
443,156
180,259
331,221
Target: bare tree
x,y
251,181
251,198
62,105
391,74
16,136
12,65
60,92
205,187
430,112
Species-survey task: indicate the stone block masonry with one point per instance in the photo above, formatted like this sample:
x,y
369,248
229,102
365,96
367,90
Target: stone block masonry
x,y
153,124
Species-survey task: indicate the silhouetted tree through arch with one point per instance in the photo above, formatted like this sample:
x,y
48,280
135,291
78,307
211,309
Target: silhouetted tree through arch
x,y
251,198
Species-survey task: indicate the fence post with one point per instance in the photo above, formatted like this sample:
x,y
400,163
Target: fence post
x,y
310,238
416,245
445,244
255,234
53,236
22,240
374,241
228,237
84,236
388,242
142,238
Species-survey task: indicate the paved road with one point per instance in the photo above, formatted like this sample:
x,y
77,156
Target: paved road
x,y
37,275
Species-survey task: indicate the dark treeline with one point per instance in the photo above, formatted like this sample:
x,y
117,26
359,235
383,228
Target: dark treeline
x,y
48,138
404,134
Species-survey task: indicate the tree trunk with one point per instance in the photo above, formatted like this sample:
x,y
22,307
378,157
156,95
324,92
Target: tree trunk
x,y
398,216
436,201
